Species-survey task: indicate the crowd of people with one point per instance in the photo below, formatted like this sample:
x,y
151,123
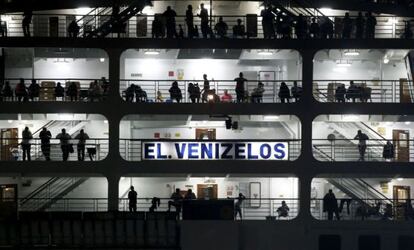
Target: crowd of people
x,y
177,198
65,142
98,90
206,94
353,93
364,210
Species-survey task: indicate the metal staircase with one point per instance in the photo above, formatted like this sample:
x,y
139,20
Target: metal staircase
x,y
92,19
117,23
49,193
294,8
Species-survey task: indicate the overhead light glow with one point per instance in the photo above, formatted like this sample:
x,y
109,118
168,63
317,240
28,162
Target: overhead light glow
x,y
271,117
10,121
351,53
102,59
106,121
83,10
152,52
400,179
407,123
343,64
350,118
386,60
265,53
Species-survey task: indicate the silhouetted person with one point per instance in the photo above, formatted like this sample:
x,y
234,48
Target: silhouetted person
x,y
34,90
286,25
189,20
26,145
296,91
240,92
27,20
267,22
370,24
72,92
301,27
362,144
194,92
359,26
206,88
257,93
65,145
239,30
388,152
330,205
140,94
175,92
130,93
176,201
314,29
190,195
284,93
45,137
21,91
7,91
353,92
155,203
283,210
73,29
340,93
157,27
81,137
59,91
327,28
408,33
408,210
238,206
205,28
132,200
388,213
170,15
347,26
221,28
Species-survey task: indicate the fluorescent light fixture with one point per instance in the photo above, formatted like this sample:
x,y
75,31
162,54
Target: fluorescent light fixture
x,y
152,52
271,117
10,121
102,59
388,123
400,179
343,63
106,121
350,118
407,123
265,52
386,60
351,53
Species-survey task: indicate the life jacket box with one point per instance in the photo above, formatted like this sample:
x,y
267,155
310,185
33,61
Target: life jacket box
x,y
48,84
46,96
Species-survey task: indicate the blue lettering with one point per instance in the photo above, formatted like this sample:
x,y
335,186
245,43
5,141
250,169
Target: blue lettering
x,y
280,151
239,151
206,150
265,151
159,154
180,150
148,150
250,154
217,145
227,147
192,151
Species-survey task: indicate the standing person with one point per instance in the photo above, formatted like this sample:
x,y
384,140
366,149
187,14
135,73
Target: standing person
x,y
205,28
27,20
257,94
388,152
189,20
370,24
155,203
301,27
267,22
34,90
240,92
362,144
330,205
314,29
72,92
81,137
175,92
26,145
65,145
21,91
221,28
359,26
190,195
59,92
206,88
176,201
170,15
45,137
132,198
238,205
296,91
73,29
347,26
284,93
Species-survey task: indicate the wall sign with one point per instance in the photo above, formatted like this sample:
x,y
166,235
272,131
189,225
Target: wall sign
x,y
276,151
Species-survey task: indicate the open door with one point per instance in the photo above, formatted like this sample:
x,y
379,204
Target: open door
x,y
8,141
400,196
205,134
402,145
405,95
8,201
207,191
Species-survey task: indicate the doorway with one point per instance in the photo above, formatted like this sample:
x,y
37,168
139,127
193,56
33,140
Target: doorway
x,y
8,201
205,134
8,141
400,196
207,191
402,145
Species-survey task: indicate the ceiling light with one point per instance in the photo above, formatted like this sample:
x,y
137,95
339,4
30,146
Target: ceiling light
x,y
343,63
106,121
351,53
400,179
407,123
152,52
350,118
10,121
102,59
386,60
271,117
265,52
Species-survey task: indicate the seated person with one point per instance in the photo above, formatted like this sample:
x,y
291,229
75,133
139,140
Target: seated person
x,y
140,94
283,211
212,97
365,94
284,93
239,30
221,28
257,94
95,91
59,91
388,152
190,195
155,203
130,93
227,98
160,98
176,201
296,91
194,92
175,92
21,91
353,92
340,93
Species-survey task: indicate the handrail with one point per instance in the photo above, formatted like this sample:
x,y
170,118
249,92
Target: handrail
x,y
372,130
375,190
38,190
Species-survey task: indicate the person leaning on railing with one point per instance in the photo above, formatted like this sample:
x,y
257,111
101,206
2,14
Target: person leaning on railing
x,y
388,152
26,145
34,90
